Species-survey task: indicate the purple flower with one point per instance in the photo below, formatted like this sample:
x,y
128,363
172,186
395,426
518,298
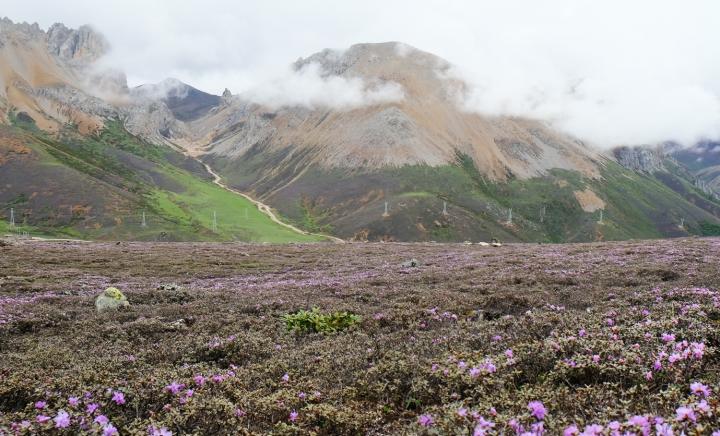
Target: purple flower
x,y
119,398
648,375
571,431
610,322
40,405
639,421
593,430
91,408
239,413
425,420
685,414
668,337
154,431
698,349
286,378
174,387
703,407
74,401
474,371
509,353
42,419
596,358
537,409
102,419
199,380
110,430
293,416
302,395
700,389
462,412
663,429
62,420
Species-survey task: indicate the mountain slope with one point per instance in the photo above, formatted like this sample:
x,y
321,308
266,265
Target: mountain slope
x,y
444,174
70,167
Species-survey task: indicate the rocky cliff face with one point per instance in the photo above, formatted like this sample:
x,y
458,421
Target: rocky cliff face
x,y
640,158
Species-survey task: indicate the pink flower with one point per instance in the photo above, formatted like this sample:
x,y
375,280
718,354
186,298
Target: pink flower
x,y
118,398
110,430
582,333
199,380
509,353
610,322
40,405
425,420
698,349
240,413
648,375
91,408
537,409
293,416
596,358
62,420
74,401
593,430
474,371
571,430
663,429
700,389
102,419
462,412
685,414
42,419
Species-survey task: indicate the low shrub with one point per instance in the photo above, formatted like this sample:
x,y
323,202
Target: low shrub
x,y
304,321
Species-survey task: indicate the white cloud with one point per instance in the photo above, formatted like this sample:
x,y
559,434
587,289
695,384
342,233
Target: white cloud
x,y
310,88
610,72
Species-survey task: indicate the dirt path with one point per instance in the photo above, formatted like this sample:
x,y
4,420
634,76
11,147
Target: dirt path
x,y
262,207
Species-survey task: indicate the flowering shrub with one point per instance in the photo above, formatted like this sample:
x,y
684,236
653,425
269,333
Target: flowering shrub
x,y
594,339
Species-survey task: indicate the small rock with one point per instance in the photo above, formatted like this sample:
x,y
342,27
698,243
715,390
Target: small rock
x,y
483,244
412,263
111,299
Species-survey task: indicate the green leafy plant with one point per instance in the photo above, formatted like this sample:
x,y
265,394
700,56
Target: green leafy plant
x,y
315,321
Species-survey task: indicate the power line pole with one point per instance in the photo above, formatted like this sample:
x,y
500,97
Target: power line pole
x,y
12,217
144,223
509,220
386,214
445,212
214,224
542,214
682,223
601,216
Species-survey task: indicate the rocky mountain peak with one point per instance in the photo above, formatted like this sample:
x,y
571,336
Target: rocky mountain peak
x,y
82,44
640,158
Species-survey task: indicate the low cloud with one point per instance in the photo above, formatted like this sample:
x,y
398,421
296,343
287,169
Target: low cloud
x,y
310,87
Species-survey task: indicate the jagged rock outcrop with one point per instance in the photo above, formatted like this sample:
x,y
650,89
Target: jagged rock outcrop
x,y
82,44
640,158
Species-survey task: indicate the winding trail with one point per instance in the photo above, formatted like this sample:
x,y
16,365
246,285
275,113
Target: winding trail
x,y
262,207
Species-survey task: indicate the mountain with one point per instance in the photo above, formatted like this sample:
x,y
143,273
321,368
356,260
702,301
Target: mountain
x,y
397,159
445,173
81,155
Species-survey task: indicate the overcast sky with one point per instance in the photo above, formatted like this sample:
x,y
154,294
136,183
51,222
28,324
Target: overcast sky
x,y
608,71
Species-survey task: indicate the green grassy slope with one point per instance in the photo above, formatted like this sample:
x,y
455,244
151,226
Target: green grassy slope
x,y
98,188
352,203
